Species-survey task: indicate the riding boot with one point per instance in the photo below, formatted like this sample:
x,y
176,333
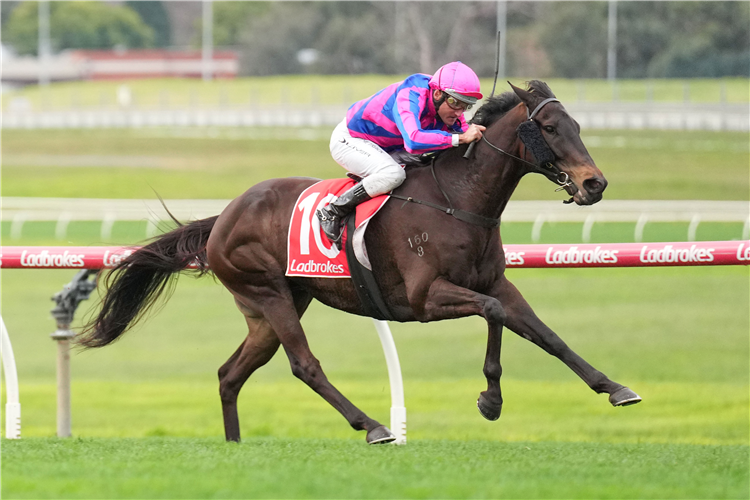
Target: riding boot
x,y
332,214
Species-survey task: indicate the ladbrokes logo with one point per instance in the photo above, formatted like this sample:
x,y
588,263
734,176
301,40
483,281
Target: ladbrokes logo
x,y
315,267
111,259
46,259
743,251
514,258
575,256
670,254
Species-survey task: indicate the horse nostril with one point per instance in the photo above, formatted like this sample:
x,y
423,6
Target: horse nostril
x,y
595,185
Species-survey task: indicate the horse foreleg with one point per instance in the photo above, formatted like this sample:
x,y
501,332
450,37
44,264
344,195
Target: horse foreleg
x,y
307,368
255,351
522,320
445,300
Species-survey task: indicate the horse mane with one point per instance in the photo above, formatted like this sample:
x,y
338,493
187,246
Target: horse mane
x,y
497,106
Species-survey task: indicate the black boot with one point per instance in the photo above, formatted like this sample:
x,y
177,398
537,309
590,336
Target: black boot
x,y
332,214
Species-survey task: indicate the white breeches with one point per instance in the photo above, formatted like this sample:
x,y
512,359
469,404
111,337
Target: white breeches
x,y
380,173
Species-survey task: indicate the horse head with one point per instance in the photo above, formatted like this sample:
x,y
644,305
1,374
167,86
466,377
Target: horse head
x,y
561,133
546,134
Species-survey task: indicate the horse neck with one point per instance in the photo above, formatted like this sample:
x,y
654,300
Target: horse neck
x,y
484,183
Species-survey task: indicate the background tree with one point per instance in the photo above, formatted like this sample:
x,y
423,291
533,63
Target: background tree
x,y
154,15
544,39
6,7
654,39
231,20
270,42
359,38
77,25
574,36
708,39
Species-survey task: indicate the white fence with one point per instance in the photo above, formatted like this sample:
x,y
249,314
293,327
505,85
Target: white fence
x,y
18,211
606,115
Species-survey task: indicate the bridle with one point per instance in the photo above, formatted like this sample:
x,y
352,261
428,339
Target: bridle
x,y
548,168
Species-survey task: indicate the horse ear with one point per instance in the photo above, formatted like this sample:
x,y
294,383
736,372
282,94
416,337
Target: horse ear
x,y
524,95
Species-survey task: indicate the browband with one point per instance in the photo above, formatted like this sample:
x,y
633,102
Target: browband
x,y
540,106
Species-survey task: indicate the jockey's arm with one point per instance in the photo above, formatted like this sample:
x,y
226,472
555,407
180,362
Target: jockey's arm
x,y
473,133
416,139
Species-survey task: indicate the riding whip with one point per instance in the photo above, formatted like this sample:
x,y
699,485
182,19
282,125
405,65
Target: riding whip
x,y
497,69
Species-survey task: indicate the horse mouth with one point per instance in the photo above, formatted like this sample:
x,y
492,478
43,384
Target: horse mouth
x,y
586,198
591,191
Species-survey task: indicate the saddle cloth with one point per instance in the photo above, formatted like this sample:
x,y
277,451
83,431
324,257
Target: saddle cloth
x,y
309,253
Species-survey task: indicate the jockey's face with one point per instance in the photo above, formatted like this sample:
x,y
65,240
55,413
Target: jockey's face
x,y
447,114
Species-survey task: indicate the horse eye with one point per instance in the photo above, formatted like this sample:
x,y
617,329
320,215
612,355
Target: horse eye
x,y
549,129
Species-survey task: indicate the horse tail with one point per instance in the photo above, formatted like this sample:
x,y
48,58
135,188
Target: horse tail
x,y
137,282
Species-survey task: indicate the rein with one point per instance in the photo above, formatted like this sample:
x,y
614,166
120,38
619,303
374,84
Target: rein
x,y
462,215
549,170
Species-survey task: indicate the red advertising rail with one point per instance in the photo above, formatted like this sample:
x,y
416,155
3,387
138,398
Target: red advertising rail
x,y
698,253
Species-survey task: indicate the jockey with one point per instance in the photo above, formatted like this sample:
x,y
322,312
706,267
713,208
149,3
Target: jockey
x,y
420,114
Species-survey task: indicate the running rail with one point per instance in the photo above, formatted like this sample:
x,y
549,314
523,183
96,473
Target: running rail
x,y
694,253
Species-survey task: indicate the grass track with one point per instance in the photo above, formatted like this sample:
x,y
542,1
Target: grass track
x,y
132,163
564,411
147,411
148,415
87,233
324,468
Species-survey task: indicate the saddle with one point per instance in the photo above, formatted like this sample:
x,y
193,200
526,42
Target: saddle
x,y
403,157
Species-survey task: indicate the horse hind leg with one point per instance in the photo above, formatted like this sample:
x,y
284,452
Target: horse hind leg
x,y
307,368
256,350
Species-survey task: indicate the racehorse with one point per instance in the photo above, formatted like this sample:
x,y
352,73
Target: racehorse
x,y
458,270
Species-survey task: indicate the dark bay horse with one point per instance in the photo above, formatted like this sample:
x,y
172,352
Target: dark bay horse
x,y
458,271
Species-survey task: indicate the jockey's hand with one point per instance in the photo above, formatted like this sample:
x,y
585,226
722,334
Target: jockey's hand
x,y
473,133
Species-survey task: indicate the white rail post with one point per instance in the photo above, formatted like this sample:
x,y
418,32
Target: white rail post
x,y
398,410
64,418
536,230
12,404
67,302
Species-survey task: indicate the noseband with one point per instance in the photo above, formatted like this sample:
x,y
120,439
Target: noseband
x,y
532,138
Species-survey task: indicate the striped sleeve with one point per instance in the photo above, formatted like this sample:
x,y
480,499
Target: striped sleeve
x,y
410,102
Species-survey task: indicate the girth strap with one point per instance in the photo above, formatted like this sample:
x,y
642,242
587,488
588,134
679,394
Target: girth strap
x,y
364,281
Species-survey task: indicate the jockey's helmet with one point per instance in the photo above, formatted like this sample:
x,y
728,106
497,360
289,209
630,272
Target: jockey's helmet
x,y
457,80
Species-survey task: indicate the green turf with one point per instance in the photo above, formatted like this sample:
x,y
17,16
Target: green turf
x,y
323,468
678,336
88,233
643,164
672,412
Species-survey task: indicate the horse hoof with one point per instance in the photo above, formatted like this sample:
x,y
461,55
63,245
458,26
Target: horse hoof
x,y
624,397
488,410
380,435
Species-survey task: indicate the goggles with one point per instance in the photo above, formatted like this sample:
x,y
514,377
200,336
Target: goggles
x,y
457,105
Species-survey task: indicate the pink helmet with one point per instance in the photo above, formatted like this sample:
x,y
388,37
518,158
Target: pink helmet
x,y
458,80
